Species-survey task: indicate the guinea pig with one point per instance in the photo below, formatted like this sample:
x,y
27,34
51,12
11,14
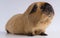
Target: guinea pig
x,y
34,21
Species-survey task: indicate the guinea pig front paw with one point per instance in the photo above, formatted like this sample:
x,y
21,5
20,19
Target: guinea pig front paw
x,y
30,34
43,34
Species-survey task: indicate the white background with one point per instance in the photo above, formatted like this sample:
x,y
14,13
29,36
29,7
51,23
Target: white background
x,y
9,8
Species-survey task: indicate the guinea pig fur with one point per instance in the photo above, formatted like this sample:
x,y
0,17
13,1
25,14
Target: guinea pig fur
x,y
34,21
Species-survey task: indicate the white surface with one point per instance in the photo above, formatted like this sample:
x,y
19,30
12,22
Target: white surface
x,y
8,8
50,35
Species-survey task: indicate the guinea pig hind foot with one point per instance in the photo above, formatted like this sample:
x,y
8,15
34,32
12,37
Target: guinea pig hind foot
x,y
7,31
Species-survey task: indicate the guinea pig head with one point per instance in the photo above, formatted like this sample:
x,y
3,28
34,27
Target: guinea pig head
x,y
40,11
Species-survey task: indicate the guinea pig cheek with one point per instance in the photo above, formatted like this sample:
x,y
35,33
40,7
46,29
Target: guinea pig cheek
x,y
44,17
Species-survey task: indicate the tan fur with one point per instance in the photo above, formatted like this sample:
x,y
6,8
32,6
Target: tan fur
x,y
25,23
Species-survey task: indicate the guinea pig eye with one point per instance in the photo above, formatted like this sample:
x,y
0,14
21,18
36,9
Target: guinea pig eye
x,y
33,9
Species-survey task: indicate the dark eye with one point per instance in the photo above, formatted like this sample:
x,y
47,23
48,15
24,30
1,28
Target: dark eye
x,y
33,9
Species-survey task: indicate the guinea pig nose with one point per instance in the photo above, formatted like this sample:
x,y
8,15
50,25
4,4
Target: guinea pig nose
x,y
47,7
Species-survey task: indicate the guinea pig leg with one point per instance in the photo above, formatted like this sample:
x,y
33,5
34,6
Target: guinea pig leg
x,y
30,34
40,32
37,32
43,33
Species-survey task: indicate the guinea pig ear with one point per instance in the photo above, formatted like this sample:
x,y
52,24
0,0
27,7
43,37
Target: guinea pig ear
x,y
34,8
